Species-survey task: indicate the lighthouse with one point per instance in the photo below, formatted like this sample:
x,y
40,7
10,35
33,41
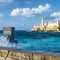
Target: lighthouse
x,y
42,21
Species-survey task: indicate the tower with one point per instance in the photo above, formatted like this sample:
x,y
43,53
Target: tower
x,y
42,21
9,31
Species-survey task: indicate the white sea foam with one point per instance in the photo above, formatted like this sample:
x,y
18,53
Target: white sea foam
x,y
4,41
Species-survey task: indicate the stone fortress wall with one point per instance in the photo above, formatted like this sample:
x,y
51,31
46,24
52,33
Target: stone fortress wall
x,y
50,26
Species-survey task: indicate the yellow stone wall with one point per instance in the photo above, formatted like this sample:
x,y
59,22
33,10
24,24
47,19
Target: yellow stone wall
x,y
46,28
52,28
22,55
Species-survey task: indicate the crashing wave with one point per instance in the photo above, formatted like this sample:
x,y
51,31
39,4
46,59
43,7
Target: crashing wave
x,y
4,41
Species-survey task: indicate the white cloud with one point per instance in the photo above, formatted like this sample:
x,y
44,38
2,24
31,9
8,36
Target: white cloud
x,y
55,14
5,1
28,12
27,2
15,12
1,14
57,19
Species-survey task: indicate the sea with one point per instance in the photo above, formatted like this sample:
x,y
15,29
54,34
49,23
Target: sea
x,y
34,41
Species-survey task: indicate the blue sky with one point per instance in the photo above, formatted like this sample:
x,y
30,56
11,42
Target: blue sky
x,y
24,14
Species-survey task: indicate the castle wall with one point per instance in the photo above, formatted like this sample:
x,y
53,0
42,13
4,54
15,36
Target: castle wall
x,y
52,28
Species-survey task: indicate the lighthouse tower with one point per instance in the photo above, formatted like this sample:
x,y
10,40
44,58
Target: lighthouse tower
x,y
42,21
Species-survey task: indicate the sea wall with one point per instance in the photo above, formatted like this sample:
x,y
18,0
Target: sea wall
x,y
7,54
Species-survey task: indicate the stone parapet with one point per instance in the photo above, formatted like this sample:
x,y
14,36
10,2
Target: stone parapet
x,y
6,54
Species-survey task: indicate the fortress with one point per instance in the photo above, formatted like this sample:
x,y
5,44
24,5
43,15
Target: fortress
x,y
50,26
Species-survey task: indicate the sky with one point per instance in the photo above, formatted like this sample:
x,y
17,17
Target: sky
x,y
24,14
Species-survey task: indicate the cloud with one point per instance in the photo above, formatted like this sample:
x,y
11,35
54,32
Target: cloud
x,y
57,19
6,1
1,14
27,2
55,14
28,12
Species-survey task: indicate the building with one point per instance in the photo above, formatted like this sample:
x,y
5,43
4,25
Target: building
x,y
50,26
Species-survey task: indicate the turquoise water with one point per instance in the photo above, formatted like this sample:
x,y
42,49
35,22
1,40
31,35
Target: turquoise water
x,y
39,41
34,41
